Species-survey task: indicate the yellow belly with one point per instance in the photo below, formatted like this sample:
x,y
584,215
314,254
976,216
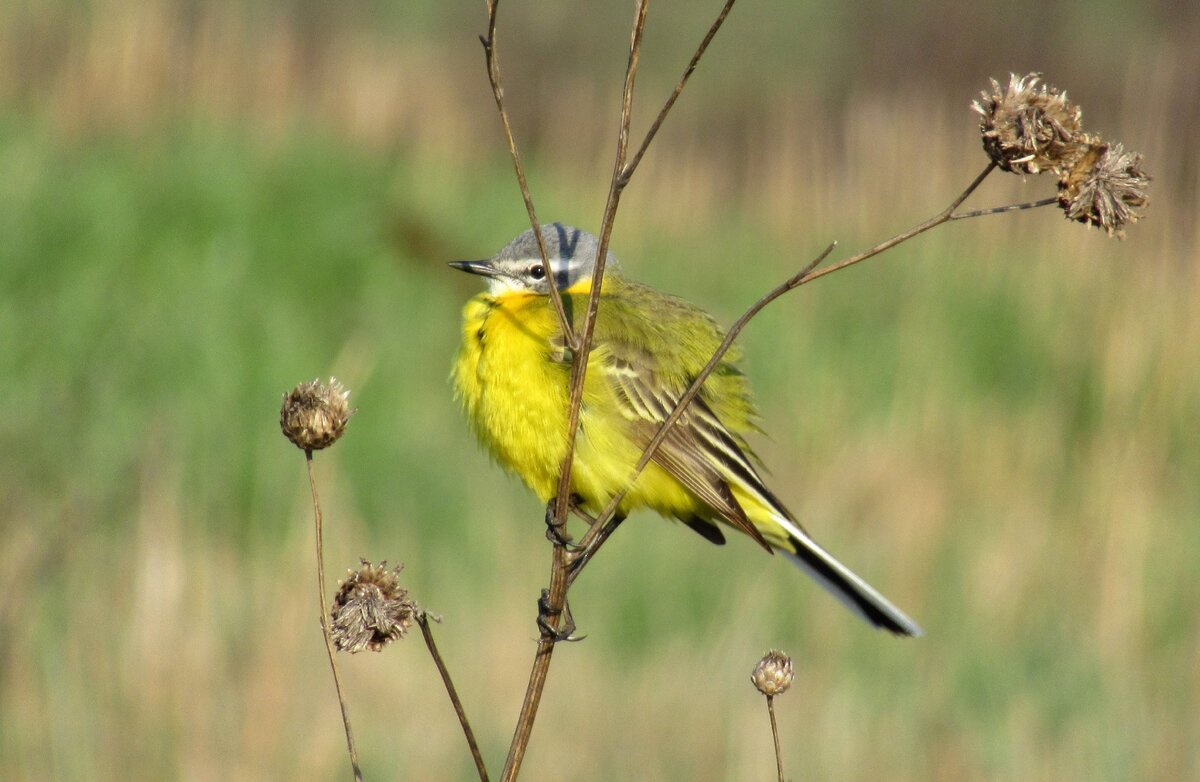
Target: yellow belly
x,y
514,395
514,392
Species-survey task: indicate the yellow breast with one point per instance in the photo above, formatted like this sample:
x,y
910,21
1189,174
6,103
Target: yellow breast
x,y
514,392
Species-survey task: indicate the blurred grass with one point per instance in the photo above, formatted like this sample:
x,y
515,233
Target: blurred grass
x,y
202,205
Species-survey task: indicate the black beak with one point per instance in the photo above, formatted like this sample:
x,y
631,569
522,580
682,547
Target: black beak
x,y
483,268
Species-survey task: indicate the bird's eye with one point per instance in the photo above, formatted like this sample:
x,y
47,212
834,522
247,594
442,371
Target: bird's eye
x,y
537,271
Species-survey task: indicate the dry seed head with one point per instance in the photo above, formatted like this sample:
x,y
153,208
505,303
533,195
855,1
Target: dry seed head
x,y
314,415
371,609
773,675
1104,187
1029,126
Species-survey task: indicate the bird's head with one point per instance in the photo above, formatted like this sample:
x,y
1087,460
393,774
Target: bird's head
x,y
518,267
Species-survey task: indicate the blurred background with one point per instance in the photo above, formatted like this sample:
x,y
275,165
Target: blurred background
x,y
204,203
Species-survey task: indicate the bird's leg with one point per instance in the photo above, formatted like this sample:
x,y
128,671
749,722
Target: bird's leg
x,y
556,531
546,613
579,558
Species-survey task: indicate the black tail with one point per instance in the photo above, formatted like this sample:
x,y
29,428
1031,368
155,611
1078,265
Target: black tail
x,y
856,594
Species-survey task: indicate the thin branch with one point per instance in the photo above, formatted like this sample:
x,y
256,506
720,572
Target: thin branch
x,y
995,210
423,621
557,593
806,275
615,188
694,389
337,679
621,176
775,734
493,69
555,598
945,216
662,115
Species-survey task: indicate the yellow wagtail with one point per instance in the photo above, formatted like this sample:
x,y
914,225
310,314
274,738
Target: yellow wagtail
x,y
512,374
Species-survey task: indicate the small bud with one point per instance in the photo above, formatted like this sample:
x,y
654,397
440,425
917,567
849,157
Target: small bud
x,y
1029,127
1104,187
314,415
773,675
371,609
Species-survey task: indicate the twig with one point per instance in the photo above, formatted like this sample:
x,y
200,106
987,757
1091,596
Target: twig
x,y
806,275
423,621
493,69
687,73
615,188
621,176
775,734
995,210
337,679
560,578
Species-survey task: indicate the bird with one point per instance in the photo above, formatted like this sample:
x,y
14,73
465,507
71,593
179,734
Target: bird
x,y
511,377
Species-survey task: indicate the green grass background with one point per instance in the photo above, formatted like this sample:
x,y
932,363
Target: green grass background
x,y
202,205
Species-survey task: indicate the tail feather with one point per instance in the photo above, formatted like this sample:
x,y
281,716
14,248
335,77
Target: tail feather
x,y
854,593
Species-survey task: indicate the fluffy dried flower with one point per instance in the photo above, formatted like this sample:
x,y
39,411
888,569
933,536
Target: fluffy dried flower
x,y
773,675
314,415
371,609
1104,187
1028,127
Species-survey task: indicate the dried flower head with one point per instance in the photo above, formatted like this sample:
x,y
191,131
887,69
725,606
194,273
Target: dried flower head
x,y
371,609
1028,127
1104,187
773,675
314,415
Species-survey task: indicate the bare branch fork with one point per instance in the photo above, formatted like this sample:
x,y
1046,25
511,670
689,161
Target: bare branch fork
x,y
567,565
554,599
603,523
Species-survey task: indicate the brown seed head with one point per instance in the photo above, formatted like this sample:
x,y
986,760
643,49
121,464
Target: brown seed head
x,y
371,609
773,675
314,415
1028,127
1104,187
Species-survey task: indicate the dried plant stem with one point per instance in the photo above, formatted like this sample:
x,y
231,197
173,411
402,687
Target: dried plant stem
x,y
615,188
995,210
560,574
556,595
555,598
423,621
809,273
775,734
687,74
493,69
337,678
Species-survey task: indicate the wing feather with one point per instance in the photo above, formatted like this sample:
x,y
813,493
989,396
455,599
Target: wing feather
x,y
699,451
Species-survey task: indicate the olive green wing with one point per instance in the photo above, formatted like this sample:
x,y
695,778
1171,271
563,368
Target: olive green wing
x,y
649,362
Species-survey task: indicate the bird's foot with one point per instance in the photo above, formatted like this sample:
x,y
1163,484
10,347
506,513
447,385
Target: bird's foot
x,y
546,615
556,531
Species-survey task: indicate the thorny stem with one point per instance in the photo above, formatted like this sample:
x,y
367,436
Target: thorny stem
x,y
423,621
337,679
493,69
775,734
